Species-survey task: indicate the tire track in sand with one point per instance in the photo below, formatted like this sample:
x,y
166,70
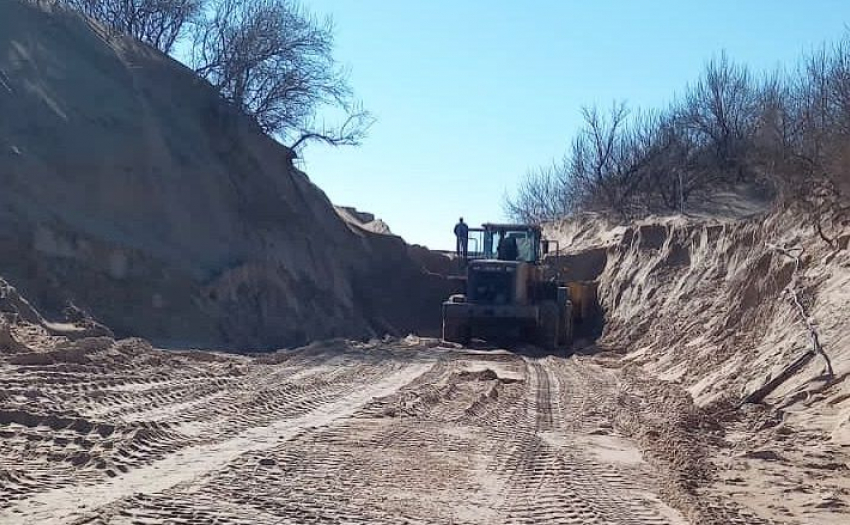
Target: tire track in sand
x,y
551,481
70,504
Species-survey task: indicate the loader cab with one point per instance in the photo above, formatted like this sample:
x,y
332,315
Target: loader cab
x,y
506,242
502,271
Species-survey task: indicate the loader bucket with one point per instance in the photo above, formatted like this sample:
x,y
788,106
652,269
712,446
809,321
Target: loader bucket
x,y
586,310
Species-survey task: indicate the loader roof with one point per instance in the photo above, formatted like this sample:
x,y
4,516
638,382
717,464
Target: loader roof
x,y
508,226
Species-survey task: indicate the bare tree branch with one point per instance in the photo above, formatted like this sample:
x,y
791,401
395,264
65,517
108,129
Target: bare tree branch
x,y
159,23
273,60
350,133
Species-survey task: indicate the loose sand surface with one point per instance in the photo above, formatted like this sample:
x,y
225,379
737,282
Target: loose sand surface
x,y
101,432
390,432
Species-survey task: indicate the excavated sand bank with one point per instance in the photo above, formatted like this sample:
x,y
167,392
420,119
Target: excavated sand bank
x,y
718,310
133,191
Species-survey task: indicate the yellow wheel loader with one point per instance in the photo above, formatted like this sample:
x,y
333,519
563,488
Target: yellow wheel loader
x,y
506,293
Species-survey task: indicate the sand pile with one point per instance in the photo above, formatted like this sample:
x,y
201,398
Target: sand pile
x,y
362,219
726,309
132,191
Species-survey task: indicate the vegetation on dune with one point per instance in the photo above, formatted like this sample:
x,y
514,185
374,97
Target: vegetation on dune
x,y
787,132
272,59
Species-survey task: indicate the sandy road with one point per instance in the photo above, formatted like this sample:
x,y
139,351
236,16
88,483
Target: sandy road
x,y
335,433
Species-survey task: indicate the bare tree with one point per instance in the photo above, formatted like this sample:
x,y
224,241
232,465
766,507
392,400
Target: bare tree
x,y
159,23
592,156
607,168
789,129
664,153
606,160
721,109
815,171
351,132
543,195
273,60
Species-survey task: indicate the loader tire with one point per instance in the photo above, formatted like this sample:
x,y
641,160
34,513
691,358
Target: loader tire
x,y
548,324
455,331
566,330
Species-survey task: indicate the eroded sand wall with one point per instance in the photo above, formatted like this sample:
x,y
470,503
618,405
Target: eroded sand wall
x,y
710,304
133,191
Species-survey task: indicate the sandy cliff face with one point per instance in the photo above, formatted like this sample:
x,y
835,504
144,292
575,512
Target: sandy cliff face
x,y
130,189
711,303
723,311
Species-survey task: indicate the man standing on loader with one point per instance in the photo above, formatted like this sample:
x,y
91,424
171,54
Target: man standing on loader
x,y
462,234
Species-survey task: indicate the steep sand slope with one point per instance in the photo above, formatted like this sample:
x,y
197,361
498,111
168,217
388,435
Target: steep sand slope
x,y
720,308
129,188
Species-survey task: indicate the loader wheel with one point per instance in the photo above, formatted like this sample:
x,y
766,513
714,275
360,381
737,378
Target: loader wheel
x,y
547,325
566,329
455,331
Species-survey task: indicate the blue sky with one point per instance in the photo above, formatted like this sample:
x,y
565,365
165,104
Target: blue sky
x,y
470,94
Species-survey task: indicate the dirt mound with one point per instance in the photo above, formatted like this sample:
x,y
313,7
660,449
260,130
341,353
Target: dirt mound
x,y
364,220
133,191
